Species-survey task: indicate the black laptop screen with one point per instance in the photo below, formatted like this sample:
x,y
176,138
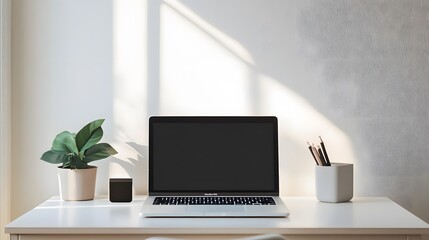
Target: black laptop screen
x,y
200,155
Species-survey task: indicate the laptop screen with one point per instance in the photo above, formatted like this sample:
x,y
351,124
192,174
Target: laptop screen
x,y
213,156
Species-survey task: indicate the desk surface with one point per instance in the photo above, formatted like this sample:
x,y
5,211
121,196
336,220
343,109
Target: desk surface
x,y
307,216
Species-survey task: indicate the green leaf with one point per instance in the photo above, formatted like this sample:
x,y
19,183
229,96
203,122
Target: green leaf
x,y
96,135
89,135
99,151
65,142
54,156
75,162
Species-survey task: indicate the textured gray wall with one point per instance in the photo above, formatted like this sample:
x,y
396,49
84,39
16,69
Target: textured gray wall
x,y
363,65
375,57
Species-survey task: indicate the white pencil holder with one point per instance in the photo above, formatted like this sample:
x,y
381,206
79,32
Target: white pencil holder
x,y
334,183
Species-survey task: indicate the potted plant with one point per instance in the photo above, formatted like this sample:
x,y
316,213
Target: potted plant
x,y
74,152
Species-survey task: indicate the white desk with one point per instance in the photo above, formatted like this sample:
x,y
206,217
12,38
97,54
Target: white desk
x,y
372,218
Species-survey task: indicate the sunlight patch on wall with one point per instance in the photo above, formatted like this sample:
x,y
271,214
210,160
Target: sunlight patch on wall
x,y
300,122
202,70
130,87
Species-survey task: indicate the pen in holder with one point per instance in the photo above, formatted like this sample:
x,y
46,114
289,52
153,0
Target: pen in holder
x,y
334,183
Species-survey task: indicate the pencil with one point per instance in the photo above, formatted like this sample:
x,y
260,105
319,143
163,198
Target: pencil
x,y
328,163
312,154
319,150
316,154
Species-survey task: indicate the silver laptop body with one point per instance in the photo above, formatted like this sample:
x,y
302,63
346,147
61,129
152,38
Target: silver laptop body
x,y
213,167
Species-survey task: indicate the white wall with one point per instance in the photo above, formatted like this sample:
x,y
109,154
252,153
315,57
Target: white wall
x,y
350,71
61,80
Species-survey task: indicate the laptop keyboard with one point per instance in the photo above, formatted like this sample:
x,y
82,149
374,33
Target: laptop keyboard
x,y
214,201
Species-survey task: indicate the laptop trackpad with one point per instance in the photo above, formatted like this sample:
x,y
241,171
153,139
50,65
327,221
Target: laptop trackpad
x,y
215,209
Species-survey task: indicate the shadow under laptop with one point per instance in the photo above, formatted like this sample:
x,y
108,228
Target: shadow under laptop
x,y
258,237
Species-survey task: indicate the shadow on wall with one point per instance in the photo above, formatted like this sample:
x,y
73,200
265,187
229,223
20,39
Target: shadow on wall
x,y
361,64
139,166
212,62
135,168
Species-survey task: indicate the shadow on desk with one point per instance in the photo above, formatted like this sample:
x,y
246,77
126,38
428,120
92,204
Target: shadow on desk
x,y
258,237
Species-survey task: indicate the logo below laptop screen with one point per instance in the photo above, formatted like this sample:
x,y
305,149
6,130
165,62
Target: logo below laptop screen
x,y
210,194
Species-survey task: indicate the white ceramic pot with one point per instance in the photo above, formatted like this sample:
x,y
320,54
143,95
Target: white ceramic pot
x,y
77,184
334,183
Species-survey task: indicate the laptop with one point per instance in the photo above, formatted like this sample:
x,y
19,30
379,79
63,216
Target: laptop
x,y
213,167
